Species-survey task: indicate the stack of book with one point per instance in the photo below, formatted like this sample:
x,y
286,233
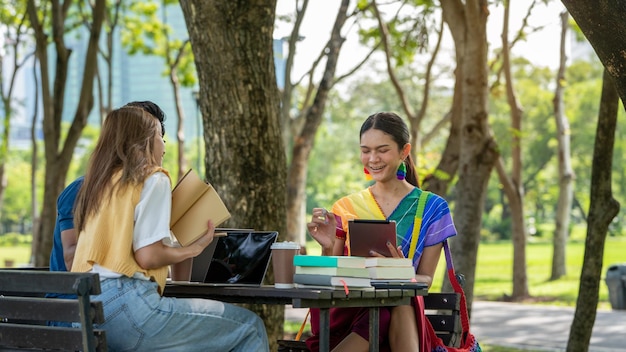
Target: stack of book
x,y
331,272
390,271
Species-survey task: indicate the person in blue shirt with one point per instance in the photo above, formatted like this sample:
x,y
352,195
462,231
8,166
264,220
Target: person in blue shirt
x,y
64,241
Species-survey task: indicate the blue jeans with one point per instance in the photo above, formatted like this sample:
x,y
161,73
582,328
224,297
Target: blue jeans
x,y
137,318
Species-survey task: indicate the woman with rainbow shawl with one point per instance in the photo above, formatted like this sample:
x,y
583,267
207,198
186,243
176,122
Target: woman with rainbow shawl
x,y
386,158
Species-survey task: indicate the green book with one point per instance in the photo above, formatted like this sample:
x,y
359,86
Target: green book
x,y
329,261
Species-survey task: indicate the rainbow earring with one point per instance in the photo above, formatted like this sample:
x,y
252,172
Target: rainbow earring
x,y
401,173
367,174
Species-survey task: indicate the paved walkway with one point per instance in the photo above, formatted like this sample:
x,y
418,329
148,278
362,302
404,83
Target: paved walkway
x,y
532,327
543,327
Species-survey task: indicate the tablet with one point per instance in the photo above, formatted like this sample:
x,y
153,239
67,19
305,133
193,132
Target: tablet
x,y
371,235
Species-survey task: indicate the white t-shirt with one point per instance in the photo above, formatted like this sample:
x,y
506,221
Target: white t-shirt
x,y
152,219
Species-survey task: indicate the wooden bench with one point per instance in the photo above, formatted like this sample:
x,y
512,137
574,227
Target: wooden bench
x,y
444,312
25,311
442,309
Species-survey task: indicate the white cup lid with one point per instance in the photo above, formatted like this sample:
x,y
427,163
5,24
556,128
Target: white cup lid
x,y
285,245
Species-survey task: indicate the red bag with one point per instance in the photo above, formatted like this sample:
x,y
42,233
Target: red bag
x,y
428,337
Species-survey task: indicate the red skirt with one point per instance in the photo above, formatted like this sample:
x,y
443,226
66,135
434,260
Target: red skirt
x,y
344,321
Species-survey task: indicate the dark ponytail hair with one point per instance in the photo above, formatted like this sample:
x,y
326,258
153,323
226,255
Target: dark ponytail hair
x,y
393,125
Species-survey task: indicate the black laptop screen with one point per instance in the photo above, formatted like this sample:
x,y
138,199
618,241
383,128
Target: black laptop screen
x,y
241,258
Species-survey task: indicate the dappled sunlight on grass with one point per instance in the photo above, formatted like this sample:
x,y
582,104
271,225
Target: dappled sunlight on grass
x,y
489,348
495,262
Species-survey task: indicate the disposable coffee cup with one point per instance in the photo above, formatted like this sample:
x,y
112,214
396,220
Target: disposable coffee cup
x,y
282,261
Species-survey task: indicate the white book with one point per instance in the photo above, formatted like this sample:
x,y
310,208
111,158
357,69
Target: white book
x,y
387,261
390,272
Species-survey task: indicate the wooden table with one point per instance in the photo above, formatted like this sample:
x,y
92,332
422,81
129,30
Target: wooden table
x,y
302,298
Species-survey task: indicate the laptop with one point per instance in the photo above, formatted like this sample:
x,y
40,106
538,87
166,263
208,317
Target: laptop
x,y
240,258
201,262
371,235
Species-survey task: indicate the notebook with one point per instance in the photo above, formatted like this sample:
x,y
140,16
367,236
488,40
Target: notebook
x,y
239,258
367,235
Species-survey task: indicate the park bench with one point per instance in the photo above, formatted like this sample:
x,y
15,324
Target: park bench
x,y
442,309
444,312
25,311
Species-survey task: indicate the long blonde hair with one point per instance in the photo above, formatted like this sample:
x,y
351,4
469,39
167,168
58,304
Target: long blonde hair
x,y
125,144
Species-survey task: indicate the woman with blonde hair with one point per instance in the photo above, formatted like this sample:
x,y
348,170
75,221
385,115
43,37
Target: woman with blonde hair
x,y
122,218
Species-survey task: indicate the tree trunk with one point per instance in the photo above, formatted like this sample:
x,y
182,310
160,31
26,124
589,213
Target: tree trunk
x,y
180,119
602,209
288,87
112,20
303,143
173,63
59,155
602,22
245,159
439,181
34,156
518,231
512,184
295,220
478,152
566,173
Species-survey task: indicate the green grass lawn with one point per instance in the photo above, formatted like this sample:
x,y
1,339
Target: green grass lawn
x,y
19,254
494,271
